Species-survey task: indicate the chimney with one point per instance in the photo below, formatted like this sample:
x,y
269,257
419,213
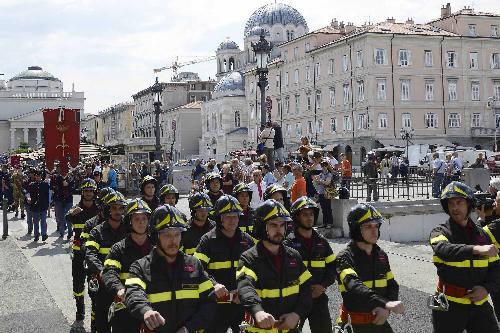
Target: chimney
x,y
342,27
335,23
446,10
349,27
410,21
390,20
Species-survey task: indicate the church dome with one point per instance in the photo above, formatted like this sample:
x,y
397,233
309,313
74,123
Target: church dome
x,y
255,31
230,83
274,13
34,73
228,45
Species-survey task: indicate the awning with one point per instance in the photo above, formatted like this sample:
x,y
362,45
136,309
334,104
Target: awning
x,y
330,147
392,142
417,141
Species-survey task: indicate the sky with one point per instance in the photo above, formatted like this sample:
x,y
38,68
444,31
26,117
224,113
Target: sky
x,y
108,48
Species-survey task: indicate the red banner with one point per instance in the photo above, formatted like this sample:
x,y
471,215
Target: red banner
x,y
62,137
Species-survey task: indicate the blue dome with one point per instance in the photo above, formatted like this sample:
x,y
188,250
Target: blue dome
x,y
229,82
228,45
255,31
274,13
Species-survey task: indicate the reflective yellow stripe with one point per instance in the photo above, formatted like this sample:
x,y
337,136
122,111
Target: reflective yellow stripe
x,y
202,257
261,330
246,271
462,264
123,276
202,287
440,238
75,247
78,226
304,277
222,265
136,281
190,251
389,275
84,235
104,250
160,297
318,263
285,292
93,244
465,300
381,283
114,263
166,220
330,258
493,239
346,272
78,294
493,259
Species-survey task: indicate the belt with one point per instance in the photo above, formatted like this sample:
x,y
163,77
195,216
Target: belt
x,y
358,318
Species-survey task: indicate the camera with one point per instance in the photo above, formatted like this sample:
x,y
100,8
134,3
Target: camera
x,y
484,200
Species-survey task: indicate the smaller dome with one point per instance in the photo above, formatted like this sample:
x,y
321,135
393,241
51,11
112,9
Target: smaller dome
x,y
228,45
255,31
230,82
34,73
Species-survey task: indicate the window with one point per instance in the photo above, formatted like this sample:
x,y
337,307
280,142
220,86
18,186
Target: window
x,y
287,104
362,123
405,90
475,90
404,58
473,60
347,123
452,90
476,120
277,81
286,79
496,90
452,59
193,86
307,46
472,30
220,121
333,125
497,120
317,70
297,103
453,120
320,126
345,65
298,130
208,123
214,122
494,30
361,91
251,111
308,73
429,90
285,55
382,120
192,98
406,120
428,58
359,58
331,66
252,87
431,120
296,76
288,130
280,108
495,61
381,90
309,102
380,56
237,120
310,128
318,100
346,94
295,52
332,97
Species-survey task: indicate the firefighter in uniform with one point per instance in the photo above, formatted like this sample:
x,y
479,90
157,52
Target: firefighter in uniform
x,y
276,192
318,258
84,236
168,290
219,251
77,216
97,247
148,192
274,286
243,193
200,206
169,194
493,230
213,185
122,254
467,265
367,286
97,176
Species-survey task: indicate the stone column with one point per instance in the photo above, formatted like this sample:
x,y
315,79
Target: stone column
x,y
12,138
38,136
26,133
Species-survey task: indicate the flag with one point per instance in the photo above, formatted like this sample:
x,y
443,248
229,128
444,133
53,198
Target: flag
x,y
62,137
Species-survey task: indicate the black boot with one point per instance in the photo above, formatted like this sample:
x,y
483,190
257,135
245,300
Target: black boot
x,y
80,308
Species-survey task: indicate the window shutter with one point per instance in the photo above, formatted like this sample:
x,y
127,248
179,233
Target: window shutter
x,y
409,57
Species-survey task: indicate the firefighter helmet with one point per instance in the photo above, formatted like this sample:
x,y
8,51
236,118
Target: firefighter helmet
x,y
200,200
274,188
168,189
167,216
102,194
457,190
240,188
226,204
212,176
360,214
112,199
88,184
136,206
266,211
303,203
148,180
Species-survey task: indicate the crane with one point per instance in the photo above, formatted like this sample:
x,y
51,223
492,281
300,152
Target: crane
x,y
176,65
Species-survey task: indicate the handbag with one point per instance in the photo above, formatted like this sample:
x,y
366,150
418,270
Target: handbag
x,y
261,148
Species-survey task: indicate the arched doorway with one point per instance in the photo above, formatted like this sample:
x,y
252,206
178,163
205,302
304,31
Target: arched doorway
x,y
362,155
335,152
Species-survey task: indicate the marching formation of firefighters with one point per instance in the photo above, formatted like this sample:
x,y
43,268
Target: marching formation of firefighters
x,y
266,269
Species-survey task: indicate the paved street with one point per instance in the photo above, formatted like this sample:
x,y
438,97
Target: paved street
x,y
37,293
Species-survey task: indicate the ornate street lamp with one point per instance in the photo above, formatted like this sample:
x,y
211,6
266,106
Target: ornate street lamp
x,y
262,50
156,90
407,134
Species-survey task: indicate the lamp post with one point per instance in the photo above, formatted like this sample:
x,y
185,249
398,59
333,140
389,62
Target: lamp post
x,y
174,128
156,90
407,135
262,51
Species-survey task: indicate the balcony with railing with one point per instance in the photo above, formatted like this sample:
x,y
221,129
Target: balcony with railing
x,y
483,132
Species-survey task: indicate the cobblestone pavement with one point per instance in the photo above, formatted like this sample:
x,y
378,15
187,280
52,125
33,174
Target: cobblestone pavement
x,y
36,276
